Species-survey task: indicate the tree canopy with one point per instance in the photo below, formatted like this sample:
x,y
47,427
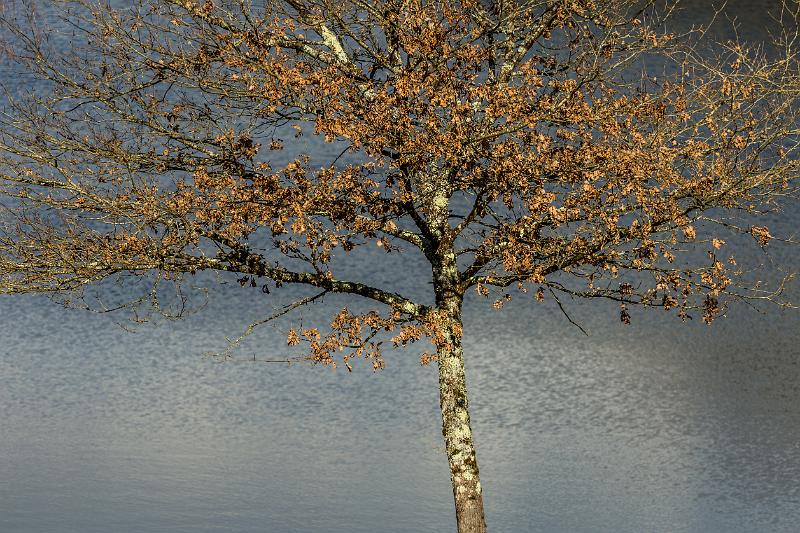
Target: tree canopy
x,y
517,146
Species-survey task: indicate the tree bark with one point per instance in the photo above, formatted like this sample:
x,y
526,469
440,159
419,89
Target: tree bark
x,y
456,427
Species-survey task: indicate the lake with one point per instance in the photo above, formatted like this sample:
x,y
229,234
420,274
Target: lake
x,y
658,426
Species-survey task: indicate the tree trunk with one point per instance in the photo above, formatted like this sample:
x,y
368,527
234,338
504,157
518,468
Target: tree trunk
x,y
456,427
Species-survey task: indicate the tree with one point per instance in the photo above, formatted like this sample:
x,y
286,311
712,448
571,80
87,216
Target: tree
x,y
516,146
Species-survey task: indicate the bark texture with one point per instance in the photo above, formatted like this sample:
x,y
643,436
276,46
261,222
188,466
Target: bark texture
x,y
457,431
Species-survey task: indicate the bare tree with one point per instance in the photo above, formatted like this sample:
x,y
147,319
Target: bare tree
x,y
515,145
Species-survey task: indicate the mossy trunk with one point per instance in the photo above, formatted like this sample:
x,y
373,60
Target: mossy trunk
x,y
456,428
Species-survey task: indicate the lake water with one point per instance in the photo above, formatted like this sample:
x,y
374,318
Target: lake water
x,y
659,426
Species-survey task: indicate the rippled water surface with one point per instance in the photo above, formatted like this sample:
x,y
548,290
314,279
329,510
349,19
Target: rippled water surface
x,y
659,426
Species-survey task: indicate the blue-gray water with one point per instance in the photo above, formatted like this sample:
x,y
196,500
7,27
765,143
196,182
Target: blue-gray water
x,y
659,426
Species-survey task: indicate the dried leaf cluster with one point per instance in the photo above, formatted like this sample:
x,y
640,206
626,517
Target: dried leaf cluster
x,y
515,145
